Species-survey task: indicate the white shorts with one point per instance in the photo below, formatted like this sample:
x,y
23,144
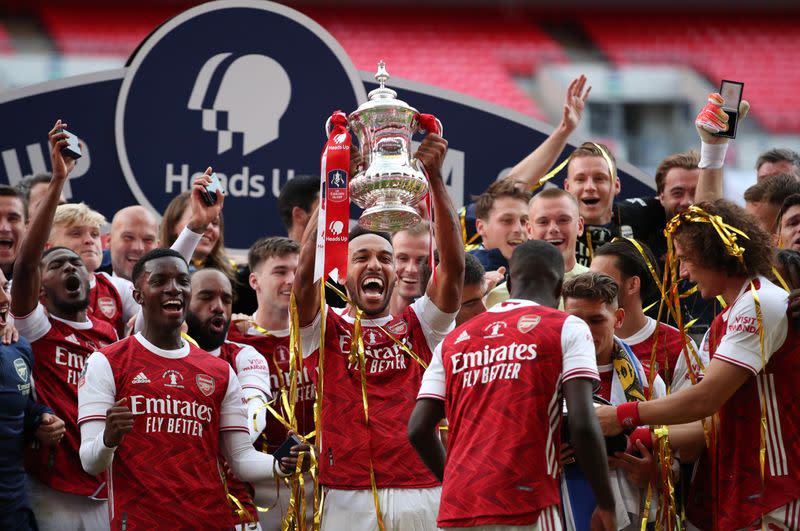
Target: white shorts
x,y
403,509
549,520
785,517
265,496
56,510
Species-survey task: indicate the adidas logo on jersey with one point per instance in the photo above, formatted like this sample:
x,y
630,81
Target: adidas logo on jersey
x,y
140,379
462,337
72,339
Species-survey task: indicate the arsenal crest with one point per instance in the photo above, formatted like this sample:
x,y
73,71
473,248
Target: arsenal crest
x,y
107,306
22,369
527,323
205,383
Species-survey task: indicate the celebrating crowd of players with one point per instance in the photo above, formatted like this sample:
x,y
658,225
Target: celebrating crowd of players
x,y
542,376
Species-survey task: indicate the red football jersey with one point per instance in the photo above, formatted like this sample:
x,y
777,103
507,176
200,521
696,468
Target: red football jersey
x,y
105,303
60,349
393,379
500,376
165,473
734,338
275,349
669,345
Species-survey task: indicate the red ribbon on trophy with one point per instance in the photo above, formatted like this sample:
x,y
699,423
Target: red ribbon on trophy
x,y
334,219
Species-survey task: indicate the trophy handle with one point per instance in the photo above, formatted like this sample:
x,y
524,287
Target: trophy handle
x,y
328,127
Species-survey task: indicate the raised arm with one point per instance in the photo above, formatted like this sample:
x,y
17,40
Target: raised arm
x,y
710,120
306,291
536,165
27,277
446,291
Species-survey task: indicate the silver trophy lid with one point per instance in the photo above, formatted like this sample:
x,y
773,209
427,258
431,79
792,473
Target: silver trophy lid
x,y
383,96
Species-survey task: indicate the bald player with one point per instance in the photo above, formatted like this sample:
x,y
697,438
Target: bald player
x,y
134,231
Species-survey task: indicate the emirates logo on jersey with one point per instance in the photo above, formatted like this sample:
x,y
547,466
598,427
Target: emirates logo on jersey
x,y
399,328
107,306
527,323
205,383
495,329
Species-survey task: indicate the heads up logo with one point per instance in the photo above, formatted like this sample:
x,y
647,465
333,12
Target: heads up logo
x,y
252,94
251,102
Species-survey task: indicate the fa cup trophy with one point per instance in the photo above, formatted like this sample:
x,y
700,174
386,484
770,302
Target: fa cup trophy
x,y
392,181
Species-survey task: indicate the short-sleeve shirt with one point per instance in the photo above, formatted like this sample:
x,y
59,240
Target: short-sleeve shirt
x,y
392,380
60,349
274,347
500,376
165,473
734,338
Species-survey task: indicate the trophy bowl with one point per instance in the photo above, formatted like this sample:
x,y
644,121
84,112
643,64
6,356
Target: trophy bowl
x,y
392,182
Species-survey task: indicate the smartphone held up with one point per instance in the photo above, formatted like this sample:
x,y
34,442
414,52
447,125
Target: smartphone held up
x,y
73,148
731,92
209,193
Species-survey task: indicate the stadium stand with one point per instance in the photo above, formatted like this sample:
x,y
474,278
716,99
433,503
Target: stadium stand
x,y
116,30
477,56
759,50
473,55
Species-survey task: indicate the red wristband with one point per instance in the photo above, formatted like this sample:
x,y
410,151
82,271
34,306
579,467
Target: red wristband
x,y
640,434
628,415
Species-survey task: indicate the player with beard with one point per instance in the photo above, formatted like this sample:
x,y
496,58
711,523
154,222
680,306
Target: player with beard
x,y
62,336
408,493
154,411
208,319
